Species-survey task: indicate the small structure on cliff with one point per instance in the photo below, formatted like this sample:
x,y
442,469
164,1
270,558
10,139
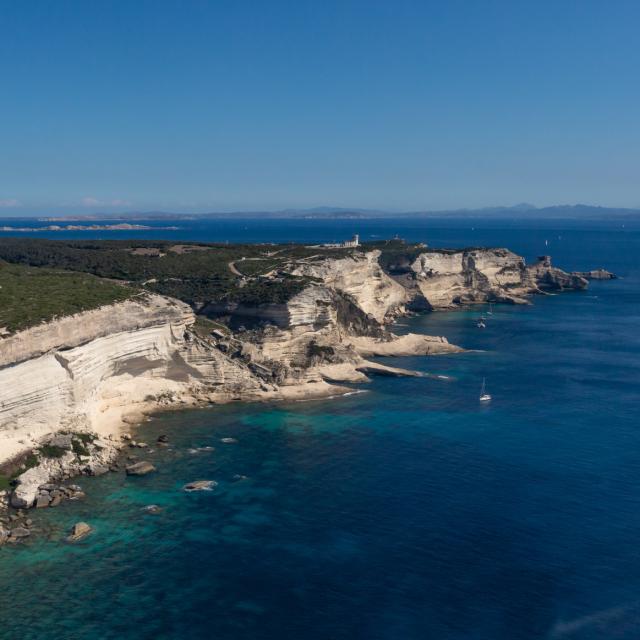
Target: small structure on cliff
x,y
346,244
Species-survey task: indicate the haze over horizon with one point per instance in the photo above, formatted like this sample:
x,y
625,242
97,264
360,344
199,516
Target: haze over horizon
x,y
166,106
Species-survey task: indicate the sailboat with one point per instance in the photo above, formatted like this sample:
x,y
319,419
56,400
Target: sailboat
x,y
490,312
484,396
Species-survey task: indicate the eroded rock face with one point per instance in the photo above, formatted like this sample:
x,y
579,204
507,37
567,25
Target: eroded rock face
x,y
449,278
362,278
82,372
549,278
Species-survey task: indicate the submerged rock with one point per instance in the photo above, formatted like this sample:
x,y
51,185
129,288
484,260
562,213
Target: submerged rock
x,y
79,531
140,468
19,532
152,509
200,485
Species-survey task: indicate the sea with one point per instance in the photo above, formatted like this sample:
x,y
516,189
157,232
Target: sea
x,y
407,510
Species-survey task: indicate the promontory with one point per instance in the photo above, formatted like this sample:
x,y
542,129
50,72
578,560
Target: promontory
x,y
96,334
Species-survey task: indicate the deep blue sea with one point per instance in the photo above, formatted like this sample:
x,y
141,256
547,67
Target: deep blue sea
x,y
405,512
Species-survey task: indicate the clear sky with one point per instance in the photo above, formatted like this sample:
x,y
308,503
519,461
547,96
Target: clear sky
x,y
397,104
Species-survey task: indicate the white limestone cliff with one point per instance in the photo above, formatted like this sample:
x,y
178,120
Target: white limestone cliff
x,y
361,277
448,278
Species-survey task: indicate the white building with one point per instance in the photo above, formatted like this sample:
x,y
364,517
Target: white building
x,y
354,242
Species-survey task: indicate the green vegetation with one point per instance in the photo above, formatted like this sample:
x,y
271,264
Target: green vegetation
x,y
30,296
17,466
52,451
196,273
79,448
396,255
204,326
71,275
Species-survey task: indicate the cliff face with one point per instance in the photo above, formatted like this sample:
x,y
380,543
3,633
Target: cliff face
x,y
450,278
85,371
361,277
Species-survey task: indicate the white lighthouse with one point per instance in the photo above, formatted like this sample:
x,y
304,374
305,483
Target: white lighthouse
x,y
354,242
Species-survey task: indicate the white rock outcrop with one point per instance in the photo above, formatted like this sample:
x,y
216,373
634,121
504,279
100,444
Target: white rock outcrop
x,y
361,277
448,278
89,371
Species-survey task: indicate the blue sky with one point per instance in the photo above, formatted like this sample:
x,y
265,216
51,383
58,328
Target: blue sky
x,y
401,105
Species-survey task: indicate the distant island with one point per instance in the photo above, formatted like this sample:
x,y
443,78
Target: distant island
x,y
520,211
92,227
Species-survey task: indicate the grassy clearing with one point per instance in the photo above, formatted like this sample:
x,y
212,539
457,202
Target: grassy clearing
x,y
29,296
204,326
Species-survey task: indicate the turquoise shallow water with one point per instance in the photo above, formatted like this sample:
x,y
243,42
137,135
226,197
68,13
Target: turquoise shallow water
x,y
407,511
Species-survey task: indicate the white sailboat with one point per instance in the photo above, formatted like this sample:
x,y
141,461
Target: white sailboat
x,y
484,396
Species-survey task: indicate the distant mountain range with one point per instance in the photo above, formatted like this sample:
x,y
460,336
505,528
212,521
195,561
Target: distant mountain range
x,y
523,210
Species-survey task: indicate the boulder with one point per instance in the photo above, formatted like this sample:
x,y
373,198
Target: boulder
x,y
98,469
79,531
43,500
200,485
152,509
140,468
19,500
20,532
62,440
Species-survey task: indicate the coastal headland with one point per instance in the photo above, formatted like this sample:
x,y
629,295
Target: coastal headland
x,y
96,335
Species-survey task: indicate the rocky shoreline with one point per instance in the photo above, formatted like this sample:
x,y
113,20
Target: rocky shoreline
x,y
71,387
